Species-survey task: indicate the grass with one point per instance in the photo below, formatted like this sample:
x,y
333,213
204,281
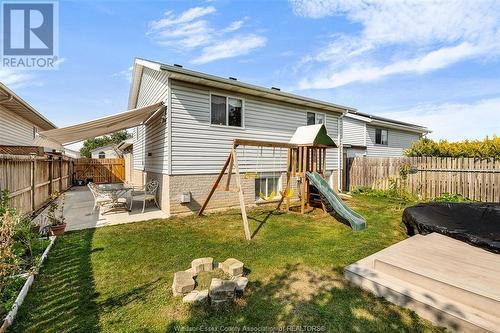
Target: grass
x,y
118,279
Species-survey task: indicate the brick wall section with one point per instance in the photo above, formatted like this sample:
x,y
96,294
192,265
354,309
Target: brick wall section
x,y
137,178
171,188
163,194
199,186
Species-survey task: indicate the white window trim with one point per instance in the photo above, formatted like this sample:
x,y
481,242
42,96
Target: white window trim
x,y
381,144
277,195
315,119
227,110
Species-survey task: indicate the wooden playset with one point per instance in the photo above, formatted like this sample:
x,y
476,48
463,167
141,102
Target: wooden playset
x,y
305,153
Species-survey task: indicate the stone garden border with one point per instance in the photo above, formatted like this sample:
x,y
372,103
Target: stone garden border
x,y
9,319
220,290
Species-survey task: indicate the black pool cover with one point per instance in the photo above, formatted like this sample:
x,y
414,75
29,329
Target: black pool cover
x,y
475,223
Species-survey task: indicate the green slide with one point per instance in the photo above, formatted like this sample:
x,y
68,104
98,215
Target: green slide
x,y
335,204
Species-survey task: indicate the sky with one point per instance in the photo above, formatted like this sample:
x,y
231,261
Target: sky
x,y
432,63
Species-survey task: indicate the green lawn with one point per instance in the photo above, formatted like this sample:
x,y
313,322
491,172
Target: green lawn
x,y
117,279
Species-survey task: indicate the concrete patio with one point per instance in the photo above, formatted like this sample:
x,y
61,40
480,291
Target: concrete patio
x,y
78,211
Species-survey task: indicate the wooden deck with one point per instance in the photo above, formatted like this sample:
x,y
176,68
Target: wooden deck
x,y
442,279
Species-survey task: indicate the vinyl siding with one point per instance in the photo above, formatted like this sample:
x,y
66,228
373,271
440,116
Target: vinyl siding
x,y
201,148
150,149
14,129
354,131
398,141
109,153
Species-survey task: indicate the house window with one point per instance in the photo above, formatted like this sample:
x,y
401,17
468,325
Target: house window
x,y
35,132
102,154
226,111
314,118
381,136
265,185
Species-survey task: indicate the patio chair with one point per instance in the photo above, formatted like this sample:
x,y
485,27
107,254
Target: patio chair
x,y
100,198
146,193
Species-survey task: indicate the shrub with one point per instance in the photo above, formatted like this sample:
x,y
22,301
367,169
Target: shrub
x,y
391,193
447,197
9,263
486,148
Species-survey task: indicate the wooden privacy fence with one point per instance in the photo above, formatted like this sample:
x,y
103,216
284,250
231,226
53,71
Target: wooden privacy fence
x,y
429,177
103,170
31,180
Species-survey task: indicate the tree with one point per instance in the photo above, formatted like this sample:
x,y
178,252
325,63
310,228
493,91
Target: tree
x,y
91,144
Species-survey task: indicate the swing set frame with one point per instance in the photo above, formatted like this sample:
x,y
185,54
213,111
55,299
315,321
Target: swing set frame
x,y
300,160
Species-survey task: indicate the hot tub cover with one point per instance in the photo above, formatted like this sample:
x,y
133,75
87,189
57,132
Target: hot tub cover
x,y
475,223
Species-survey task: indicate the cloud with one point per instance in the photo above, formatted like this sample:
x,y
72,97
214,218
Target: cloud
x,y
187,16
363,73
233,47
126,73
190,31
17,79
454,121
399,37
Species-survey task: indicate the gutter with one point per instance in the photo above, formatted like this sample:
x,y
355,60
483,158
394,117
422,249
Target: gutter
x,y
13,96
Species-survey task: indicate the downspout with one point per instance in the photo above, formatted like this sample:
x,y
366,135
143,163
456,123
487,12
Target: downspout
x,y
340,150
169,125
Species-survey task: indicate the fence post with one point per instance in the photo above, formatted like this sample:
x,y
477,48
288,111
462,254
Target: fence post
x,y
60,174
33,183
51,174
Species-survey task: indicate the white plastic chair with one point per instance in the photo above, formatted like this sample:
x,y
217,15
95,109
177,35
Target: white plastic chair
x,y
147,193
100,198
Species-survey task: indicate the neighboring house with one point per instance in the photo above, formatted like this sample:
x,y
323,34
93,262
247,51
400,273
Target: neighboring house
x,y
19,121
368,135
71,153
186,146
108,151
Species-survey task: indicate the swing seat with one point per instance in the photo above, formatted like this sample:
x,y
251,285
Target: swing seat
x,y
288,194
269,198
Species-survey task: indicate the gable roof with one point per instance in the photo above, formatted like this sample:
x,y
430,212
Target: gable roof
x,y
386,122
312,135
186,75
16,104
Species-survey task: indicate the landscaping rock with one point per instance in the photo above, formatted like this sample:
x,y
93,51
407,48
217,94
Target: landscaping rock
x,y
202,265
221,291
241,283
183,283
233,267
195,296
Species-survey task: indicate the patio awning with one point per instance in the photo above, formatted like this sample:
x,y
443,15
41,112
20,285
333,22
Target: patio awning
x,y
102,126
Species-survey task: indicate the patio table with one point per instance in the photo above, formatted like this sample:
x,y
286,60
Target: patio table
x,y
115,191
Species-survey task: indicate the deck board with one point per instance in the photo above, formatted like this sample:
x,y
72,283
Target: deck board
x,y
436,271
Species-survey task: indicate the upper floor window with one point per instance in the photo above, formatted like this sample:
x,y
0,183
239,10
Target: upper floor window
x,y
102,154
35,132
381,136
314,118
226,111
